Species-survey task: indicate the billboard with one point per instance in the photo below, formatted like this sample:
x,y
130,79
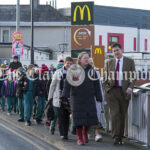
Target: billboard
x,y
82,13
82,37
98,55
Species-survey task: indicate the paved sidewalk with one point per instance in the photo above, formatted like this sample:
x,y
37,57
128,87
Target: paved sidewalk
x,y
43,133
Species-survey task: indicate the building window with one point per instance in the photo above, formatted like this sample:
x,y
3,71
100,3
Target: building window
x,y
5,36
115,38
37,57
112,40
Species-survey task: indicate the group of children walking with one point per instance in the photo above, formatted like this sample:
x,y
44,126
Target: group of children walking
x,y
23,91
26,91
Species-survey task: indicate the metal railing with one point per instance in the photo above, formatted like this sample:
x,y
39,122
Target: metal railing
x,y
138,118
138,126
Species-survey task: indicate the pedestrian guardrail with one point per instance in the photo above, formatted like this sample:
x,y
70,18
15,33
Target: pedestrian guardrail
x,y
138,124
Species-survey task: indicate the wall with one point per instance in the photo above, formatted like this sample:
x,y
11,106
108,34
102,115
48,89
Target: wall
x,y
5,52
46,36
129,34
144,34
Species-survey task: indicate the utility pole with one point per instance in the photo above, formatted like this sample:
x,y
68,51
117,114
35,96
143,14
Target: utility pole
x,y
55,4
18,18
18,15
32,31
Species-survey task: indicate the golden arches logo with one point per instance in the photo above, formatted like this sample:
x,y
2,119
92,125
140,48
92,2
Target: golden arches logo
x,y
82,10
98,51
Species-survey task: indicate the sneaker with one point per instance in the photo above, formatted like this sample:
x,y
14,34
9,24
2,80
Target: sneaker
x,y
8,114
121,141
98,138
38,121
52,131
27,123
21,120
64,137
117,141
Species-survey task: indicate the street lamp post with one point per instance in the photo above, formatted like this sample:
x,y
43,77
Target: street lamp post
x,y
18,19
63,48
18,15
32,32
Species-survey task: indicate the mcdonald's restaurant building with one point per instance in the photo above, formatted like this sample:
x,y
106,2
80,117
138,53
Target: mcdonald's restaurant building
x,y
102,25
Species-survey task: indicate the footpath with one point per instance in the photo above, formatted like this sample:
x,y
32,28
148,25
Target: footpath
x,y
43,133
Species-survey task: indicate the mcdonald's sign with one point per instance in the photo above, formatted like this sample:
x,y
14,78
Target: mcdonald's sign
x,y
82,13
98,55
98,51
82,37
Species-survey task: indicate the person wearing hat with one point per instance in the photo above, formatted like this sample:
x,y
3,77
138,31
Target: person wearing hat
x,y
60,63
15,64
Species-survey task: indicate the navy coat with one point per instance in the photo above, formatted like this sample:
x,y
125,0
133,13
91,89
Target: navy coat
x,y
83,105
8,91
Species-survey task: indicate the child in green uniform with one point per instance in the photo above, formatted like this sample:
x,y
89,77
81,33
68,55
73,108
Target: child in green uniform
x,y
28,94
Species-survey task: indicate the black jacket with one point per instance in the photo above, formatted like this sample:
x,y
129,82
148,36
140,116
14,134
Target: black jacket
x,y
83,97
40,86
15,66
20,85
35,86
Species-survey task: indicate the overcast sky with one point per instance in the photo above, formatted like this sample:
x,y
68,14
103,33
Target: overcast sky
x,y
138,4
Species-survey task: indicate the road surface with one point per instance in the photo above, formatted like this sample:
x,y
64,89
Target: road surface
x,y
13,138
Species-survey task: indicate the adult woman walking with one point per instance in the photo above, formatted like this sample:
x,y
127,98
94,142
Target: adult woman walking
x,y
83,100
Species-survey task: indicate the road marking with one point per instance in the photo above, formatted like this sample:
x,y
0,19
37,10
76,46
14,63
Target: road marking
x,y
23,137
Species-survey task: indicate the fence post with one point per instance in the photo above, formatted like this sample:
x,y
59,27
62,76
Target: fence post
x,y
148,120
